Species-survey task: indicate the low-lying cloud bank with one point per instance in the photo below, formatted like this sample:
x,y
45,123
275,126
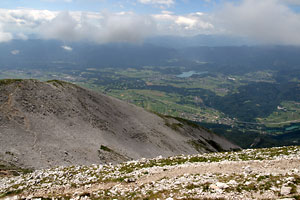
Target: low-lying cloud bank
x,y
101,28
267,21
4,36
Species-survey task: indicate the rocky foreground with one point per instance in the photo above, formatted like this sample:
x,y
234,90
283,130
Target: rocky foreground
x,y
249,174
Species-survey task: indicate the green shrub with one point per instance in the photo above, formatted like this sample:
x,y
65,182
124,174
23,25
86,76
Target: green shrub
x,y
9,81
105,148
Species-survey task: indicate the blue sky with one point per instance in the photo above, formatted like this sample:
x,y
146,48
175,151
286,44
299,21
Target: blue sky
x,y
179,6
101,21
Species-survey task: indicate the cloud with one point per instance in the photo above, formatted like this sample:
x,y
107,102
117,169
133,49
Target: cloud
x,y
268,21
158,2
62,27
22,36
68,1
22,22
291,2
5,36
102,27
74,26
184,25
25,18
67,48
125,27
15,52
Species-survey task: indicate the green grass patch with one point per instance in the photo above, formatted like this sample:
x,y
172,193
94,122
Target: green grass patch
x,y
9,81
174,126
105,148
59,83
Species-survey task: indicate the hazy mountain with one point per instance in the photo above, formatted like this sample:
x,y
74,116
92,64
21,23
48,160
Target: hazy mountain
x,y
55,54
56,123
199,40
44,53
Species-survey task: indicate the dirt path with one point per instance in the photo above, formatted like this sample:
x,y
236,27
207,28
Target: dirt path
x,y
272,166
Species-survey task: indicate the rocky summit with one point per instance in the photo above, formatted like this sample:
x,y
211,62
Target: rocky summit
x,y
54,123
249,174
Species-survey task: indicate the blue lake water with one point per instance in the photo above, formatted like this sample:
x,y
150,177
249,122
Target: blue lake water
x,y
189,74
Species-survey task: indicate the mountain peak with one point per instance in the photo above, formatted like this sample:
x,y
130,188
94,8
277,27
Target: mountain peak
x,y
52,123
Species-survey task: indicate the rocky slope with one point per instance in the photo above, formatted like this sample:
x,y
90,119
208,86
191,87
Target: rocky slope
x,y
249,174
45,124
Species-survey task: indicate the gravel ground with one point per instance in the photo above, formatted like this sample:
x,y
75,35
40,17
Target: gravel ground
x,y
272,173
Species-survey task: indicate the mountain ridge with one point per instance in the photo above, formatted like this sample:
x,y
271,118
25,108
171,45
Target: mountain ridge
x,y
45,124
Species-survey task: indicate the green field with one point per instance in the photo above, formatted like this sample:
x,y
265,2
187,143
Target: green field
x,y
211,97
288,112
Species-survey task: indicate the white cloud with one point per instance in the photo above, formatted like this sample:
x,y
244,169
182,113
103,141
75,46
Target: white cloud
x,y
22,22
184,25
73,26
291,2
68,1
268,21
63,27
158,2
67,48
15,52
5,36
102,27
22,36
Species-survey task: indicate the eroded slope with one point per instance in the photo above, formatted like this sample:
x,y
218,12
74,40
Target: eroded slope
x,y
46,124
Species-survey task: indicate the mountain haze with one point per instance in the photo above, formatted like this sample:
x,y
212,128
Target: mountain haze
x,y
39,54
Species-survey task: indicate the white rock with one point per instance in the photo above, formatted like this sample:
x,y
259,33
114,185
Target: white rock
x,y
285,190
232,182
275,189
214,187
177,183
12,198
248,183
222,185
248,169
220,191
130,180
290,179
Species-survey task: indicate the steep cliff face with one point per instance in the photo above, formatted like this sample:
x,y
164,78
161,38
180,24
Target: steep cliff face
x,y
44,124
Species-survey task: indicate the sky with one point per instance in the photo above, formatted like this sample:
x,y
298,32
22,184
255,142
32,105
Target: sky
x,y
102,21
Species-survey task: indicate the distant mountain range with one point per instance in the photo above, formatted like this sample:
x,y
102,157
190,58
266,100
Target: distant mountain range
x,y
199,40
155,52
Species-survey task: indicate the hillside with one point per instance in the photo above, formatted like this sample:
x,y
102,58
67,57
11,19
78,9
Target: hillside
x,y
249,174
54,123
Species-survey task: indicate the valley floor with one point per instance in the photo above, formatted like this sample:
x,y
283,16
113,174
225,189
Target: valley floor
x,y
249,174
